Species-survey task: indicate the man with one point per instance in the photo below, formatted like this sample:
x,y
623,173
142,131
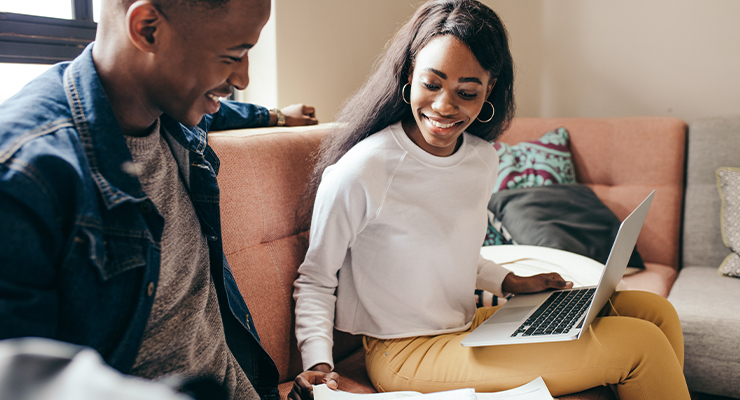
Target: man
x,y
109,201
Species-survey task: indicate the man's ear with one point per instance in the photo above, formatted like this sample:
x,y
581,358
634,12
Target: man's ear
x,y
144,23
490,87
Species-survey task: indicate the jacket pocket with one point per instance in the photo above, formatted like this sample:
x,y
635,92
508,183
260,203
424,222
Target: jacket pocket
x,y
114,253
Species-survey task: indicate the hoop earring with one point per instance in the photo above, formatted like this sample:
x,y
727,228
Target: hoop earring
x,y
493,111
403,94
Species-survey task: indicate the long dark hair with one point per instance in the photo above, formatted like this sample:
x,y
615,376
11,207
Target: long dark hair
x,y
379,103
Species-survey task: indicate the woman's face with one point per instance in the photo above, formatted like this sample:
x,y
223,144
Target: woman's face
x,y
448,89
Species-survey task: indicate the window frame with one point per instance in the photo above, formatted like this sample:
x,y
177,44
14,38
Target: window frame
x,y
32,39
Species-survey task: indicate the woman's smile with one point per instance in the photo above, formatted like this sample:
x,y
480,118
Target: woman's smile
x,y
441,122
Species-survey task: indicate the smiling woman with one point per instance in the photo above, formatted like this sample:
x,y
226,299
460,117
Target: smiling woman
x,y
401,194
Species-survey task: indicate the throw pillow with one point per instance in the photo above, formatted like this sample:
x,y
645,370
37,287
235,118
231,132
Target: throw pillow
x,y
566,217
728,182
541,162
496,234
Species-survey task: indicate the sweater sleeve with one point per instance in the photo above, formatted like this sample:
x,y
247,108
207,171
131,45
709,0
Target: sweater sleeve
x,y
340,213
491,276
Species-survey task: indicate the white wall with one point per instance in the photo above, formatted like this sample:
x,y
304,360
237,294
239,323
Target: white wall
x,y
586,58
326,48
262,88
574,58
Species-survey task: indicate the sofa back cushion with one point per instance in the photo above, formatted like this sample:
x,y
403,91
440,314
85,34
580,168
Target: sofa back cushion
x,y
622,160
262,177
712,143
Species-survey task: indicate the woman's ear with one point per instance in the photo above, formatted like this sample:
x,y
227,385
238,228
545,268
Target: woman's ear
x,y
144,23
490,87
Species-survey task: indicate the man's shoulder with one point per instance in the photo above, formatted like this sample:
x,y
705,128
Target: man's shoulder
x,y
37,113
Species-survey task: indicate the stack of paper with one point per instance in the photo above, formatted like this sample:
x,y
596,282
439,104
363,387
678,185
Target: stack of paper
x,y
535,390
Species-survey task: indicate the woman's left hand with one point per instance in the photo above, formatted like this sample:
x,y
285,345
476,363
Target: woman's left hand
x,y
533,284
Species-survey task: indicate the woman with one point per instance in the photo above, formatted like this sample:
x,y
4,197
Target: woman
x,y
397,225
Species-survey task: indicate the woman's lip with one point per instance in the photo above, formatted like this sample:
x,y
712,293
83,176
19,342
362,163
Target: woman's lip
x,y
442,123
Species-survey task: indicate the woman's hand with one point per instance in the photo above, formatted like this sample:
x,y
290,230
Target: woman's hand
x,y
533,284
318,374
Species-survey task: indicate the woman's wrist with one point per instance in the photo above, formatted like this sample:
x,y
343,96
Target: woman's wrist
x,y
510,283
322,367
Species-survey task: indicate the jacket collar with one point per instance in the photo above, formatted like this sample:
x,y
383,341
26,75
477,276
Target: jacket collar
x,y
101,136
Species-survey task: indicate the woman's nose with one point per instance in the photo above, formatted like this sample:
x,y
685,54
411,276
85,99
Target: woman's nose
x,y
443,104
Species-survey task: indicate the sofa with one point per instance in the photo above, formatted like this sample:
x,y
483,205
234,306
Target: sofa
x,y
707,303
263,175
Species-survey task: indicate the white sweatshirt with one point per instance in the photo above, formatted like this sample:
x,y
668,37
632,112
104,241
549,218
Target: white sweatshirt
x,y
395,243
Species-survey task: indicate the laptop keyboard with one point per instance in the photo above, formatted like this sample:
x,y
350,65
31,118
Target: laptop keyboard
x,y
558,313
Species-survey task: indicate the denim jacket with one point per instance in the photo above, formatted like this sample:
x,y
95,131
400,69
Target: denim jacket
x,y
81,242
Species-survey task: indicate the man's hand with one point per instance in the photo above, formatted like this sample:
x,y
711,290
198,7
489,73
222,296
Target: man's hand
x,y
533,284
318,374
297,115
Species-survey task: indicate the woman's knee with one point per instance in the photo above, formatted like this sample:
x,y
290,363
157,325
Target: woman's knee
x,y
644,305
637,340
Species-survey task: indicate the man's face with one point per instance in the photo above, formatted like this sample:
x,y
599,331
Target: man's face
x,y
204,56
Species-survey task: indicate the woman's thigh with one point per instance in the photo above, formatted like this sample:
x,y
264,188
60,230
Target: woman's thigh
x,y
612,351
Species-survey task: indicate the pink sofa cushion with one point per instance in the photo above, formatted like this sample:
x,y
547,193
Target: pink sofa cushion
x,y
622,160
262,177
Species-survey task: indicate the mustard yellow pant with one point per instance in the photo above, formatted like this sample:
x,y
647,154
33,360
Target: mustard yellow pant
x,y
636,344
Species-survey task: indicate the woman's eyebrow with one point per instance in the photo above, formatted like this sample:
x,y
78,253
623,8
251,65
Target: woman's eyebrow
x,y
436,72
471,79
461,80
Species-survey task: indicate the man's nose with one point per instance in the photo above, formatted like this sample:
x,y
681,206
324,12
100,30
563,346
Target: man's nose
x,y
239,78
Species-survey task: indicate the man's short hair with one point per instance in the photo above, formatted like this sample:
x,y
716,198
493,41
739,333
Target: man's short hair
x,y
207,4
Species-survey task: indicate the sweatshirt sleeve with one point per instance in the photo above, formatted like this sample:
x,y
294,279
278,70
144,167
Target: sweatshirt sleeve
x,y
340,212
491,276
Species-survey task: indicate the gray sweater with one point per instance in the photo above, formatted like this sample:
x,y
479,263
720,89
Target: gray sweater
x,y
184,334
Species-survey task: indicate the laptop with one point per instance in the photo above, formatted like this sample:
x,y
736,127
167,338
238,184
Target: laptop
x,y
561,315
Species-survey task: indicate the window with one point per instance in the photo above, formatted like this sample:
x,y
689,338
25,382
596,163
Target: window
x,y
37,33
45,31
21,73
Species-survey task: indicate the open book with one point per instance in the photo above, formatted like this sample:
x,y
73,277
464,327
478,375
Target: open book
x,y
535,390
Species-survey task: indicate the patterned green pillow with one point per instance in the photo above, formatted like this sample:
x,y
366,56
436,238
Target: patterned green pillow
x,y
728,182
541,162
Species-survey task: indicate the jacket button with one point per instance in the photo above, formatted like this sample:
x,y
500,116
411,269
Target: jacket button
x,y
145,207
150,289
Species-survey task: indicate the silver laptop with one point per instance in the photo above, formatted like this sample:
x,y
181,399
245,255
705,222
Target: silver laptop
x,y
561,315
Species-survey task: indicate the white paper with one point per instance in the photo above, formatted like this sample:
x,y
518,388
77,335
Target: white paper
x,y
535,390
322,392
